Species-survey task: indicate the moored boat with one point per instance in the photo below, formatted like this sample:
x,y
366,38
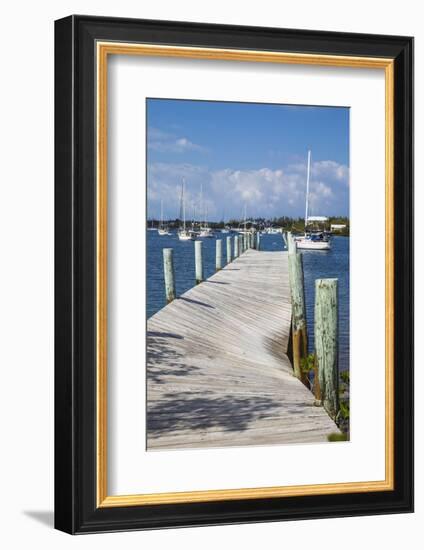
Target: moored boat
x,y
163,229
205,232
184,234
315,237
313,241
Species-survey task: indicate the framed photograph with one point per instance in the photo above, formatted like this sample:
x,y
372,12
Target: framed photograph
x,y
234,274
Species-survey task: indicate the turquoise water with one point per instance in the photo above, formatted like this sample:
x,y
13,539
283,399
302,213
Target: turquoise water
x,y
316,265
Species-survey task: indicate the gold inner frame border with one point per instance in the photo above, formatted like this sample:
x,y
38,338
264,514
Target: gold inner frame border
x,y
103,50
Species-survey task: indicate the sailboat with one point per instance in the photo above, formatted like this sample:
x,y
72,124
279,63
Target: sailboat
x,y
162,229
151,228
245,222
312,239
183,233
194,231
226,228
205,230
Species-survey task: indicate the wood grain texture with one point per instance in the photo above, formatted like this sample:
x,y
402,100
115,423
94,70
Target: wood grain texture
x,y
300,341
326,343
198,261
218,374
168,274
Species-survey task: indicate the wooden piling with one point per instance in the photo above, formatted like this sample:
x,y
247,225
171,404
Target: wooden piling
x,y
258,241
168,272
229,250
316,388
326,343
236,246
291,244
299,333
198,261
218,255
241,244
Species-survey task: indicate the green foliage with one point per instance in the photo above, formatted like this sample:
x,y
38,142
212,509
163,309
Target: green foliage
x,y
344,395
338,437
343,416
344,409
345,378
307,363
296,225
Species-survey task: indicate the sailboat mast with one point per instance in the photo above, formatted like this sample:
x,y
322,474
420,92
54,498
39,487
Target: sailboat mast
x,y
245,218
307,188
184,210
201,205
161,212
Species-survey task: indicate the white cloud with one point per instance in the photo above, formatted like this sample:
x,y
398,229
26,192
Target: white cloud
x,y
265,191
331,170
164,142
328,170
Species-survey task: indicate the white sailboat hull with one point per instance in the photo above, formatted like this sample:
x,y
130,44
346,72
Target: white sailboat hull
x,y
206,234
307,244
186,236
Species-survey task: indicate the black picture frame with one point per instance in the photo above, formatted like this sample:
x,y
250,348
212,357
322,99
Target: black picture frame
x,y
76,510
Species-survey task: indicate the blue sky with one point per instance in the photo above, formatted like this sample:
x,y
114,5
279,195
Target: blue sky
x,y
244,153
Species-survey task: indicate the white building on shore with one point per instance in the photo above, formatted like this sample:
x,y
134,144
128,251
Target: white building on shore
x,y
337,226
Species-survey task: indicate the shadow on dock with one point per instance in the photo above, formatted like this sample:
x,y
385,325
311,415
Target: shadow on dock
x,y
188,411
195,302
162,353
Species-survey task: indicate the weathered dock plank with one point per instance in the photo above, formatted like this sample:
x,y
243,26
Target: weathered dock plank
x,y
217,369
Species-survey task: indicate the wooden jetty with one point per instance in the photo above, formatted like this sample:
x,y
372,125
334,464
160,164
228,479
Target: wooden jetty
x,y
217,367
